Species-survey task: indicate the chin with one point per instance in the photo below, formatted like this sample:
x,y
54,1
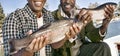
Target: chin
x,y
37,9
68,10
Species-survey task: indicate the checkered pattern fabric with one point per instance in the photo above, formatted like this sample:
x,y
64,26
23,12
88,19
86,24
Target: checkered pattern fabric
x,y
21,21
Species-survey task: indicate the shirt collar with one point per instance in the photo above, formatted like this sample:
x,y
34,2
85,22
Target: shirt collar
x,y
29,11
47,16
73,12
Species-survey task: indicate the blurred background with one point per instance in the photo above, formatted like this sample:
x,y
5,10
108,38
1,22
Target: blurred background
x,y
8,6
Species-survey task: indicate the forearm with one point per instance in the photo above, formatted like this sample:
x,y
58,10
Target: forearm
x,y
94,35
97,32
108,17
104,26
23,52
103,30
58,44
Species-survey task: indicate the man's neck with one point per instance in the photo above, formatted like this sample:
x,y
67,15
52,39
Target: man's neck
x,y
67,13
38,14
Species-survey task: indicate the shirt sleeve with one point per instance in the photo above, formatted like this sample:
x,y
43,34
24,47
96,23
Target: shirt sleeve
x,y
9,31
102,35
93,33
73,39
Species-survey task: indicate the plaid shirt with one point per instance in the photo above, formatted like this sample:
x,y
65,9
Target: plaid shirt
x,y
21,21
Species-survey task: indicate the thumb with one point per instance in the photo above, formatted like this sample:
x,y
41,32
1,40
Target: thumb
x,y
29,32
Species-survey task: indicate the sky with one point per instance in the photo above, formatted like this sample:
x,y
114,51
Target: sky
x,y
11,5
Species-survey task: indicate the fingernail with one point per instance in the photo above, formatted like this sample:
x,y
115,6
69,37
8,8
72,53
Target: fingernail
x,y
34,40
74,25
85,21
38,38
70,27
41,37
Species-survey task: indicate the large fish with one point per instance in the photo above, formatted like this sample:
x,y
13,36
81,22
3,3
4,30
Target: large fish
x,y
58,29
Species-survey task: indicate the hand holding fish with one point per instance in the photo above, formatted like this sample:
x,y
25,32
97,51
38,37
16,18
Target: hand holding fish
x,y
109,9
37,43
84,17
74,30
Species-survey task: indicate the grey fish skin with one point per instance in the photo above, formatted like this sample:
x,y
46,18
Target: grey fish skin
x,y
98,12
58,30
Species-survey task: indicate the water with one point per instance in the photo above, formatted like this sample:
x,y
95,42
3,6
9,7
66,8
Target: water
x,y
113,29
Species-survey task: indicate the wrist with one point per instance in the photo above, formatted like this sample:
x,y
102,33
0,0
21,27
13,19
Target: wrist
x,y
103,29
27,49
23,52
65,39
73,39
102,34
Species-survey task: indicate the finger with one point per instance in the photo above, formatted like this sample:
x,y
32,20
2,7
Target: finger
x,y
41,42
75,28
67,35
109,8
107,16
107,11
113,6
36,47
84,16
29,32
118,43
88,19
80,14
50,33
31,46
81,11
72,31
80,27
45,41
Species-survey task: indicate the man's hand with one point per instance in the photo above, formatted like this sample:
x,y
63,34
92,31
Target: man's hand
x,y
84,16
34,46
118,43
108,17
37,43
74,30
108,13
